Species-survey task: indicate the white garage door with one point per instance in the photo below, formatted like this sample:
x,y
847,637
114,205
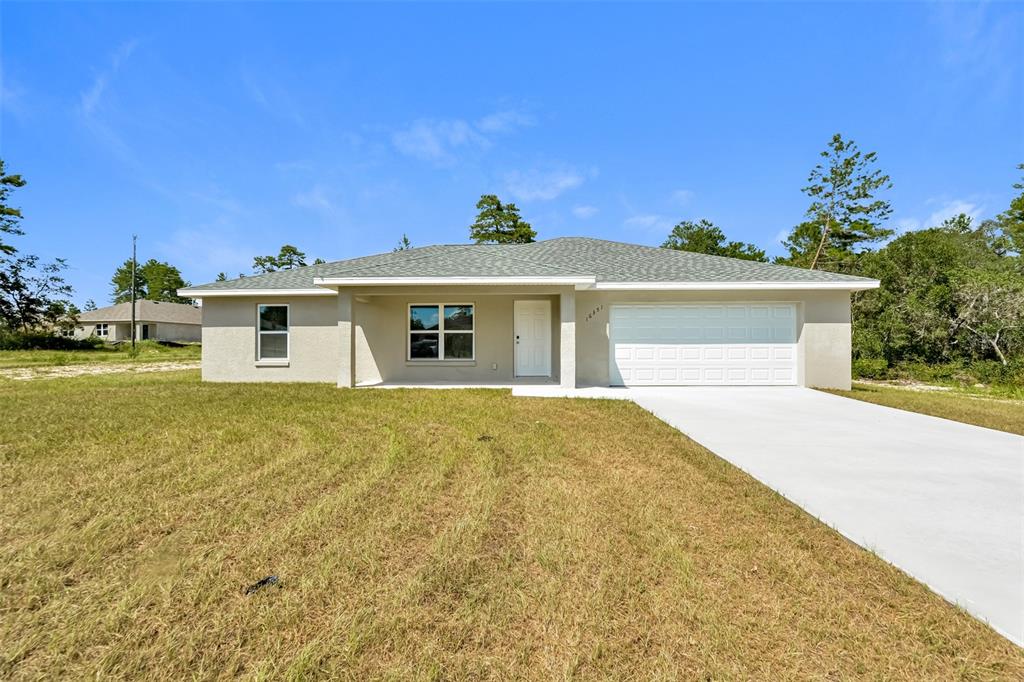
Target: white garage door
x,y
693,344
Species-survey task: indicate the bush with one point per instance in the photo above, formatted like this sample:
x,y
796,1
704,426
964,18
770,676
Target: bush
x,y
978,372
36,341
870,368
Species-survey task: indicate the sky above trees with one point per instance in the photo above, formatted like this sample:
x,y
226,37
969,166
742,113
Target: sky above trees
x,y
218,132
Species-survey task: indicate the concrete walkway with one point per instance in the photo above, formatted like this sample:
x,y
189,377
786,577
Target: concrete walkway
x,y
943,501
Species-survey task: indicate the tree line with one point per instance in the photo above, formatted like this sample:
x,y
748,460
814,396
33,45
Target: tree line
x,y
950,293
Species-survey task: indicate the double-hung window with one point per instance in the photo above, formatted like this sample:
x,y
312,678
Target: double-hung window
x,y
441,331
101,329
272,334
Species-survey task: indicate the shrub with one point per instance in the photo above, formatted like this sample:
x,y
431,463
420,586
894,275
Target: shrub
x,y
870,368
37,341
977,372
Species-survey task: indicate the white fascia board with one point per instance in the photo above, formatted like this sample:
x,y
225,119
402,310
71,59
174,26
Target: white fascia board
x,y
211,293
735,286
447,281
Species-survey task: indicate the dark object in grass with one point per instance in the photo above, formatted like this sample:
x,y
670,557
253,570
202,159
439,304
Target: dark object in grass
x,y
260,584
485,438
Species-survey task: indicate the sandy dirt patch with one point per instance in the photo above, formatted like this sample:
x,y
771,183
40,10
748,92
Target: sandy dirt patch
x,y
64,371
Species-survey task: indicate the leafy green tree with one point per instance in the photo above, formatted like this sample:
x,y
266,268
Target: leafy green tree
x,y
1011,221
90,305
403,244
154,280
10,218
990,307
498,223
704,236
319,261
31,293
844,216
926,280
221,277
287,258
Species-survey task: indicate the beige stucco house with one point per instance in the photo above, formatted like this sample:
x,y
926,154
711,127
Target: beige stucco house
x,y
154,320
569,311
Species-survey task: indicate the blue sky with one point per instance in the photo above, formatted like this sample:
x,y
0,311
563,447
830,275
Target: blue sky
x,y
217,132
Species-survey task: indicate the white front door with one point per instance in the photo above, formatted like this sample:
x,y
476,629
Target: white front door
x,y
533,338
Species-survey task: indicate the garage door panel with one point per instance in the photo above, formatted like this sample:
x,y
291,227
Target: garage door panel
x,y
702,344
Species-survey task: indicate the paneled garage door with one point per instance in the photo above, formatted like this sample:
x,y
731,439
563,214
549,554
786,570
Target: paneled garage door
x,y
739,344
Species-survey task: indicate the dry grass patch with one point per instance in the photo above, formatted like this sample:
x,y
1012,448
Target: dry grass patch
x,y
424,535
1002,414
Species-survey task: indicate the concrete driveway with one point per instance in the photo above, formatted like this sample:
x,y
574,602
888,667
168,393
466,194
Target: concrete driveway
x,y
941,500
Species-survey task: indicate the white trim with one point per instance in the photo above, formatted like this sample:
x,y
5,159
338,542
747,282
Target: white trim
x,y
735,286
440,331
287,336
207,293
405,281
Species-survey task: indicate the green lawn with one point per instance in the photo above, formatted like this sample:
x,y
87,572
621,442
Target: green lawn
x,y
1002,414
148,351
424,535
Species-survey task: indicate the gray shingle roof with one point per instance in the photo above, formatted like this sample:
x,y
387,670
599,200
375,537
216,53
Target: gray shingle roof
x,y
607,261
145,311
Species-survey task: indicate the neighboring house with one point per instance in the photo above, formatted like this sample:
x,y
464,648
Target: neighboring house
x,y
153,320
575,311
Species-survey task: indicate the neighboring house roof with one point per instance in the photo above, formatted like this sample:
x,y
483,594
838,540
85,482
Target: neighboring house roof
x,y
145,311
572,260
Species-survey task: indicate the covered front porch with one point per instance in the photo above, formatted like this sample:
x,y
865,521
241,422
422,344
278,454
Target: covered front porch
x,y
457,336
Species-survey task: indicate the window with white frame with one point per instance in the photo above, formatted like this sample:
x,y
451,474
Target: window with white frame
x,y
101,329
272,334
441,331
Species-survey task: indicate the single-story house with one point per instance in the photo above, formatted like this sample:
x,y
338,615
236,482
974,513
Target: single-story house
x,y
155,320
572,311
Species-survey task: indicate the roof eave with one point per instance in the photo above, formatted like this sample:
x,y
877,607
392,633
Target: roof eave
x,y
448,281
212,293
738,286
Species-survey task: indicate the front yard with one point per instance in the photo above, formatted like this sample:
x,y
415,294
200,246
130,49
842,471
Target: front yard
x,y
424,534
993,412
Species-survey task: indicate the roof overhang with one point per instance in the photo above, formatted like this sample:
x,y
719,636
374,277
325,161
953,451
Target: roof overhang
x,y
450,281
736,286
211,293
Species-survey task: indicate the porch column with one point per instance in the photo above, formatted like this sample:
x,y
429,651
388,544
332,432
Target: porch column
x,y
567,340
346,340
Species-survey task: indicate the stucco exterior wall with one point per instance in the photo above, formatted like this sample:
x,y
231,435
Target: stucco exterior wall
x,y
229,340
170,331
823,329
162,331
380,334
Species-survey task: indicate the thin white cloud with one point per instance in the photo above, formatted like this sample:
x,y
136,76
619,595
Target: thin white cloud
x,y
12,96
903,225
541,185
648,222
952,209
947,208
584,212
682,197
272,96
319,200
90,99
504,121
436,140
205,250
440,140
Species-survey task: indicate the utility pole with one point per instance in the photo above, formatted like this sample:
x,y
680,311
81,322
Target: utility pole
x,y
133,294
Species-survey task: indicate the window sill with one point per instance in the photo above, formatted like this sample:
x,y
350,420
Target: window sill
x,y
440,363
271,363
